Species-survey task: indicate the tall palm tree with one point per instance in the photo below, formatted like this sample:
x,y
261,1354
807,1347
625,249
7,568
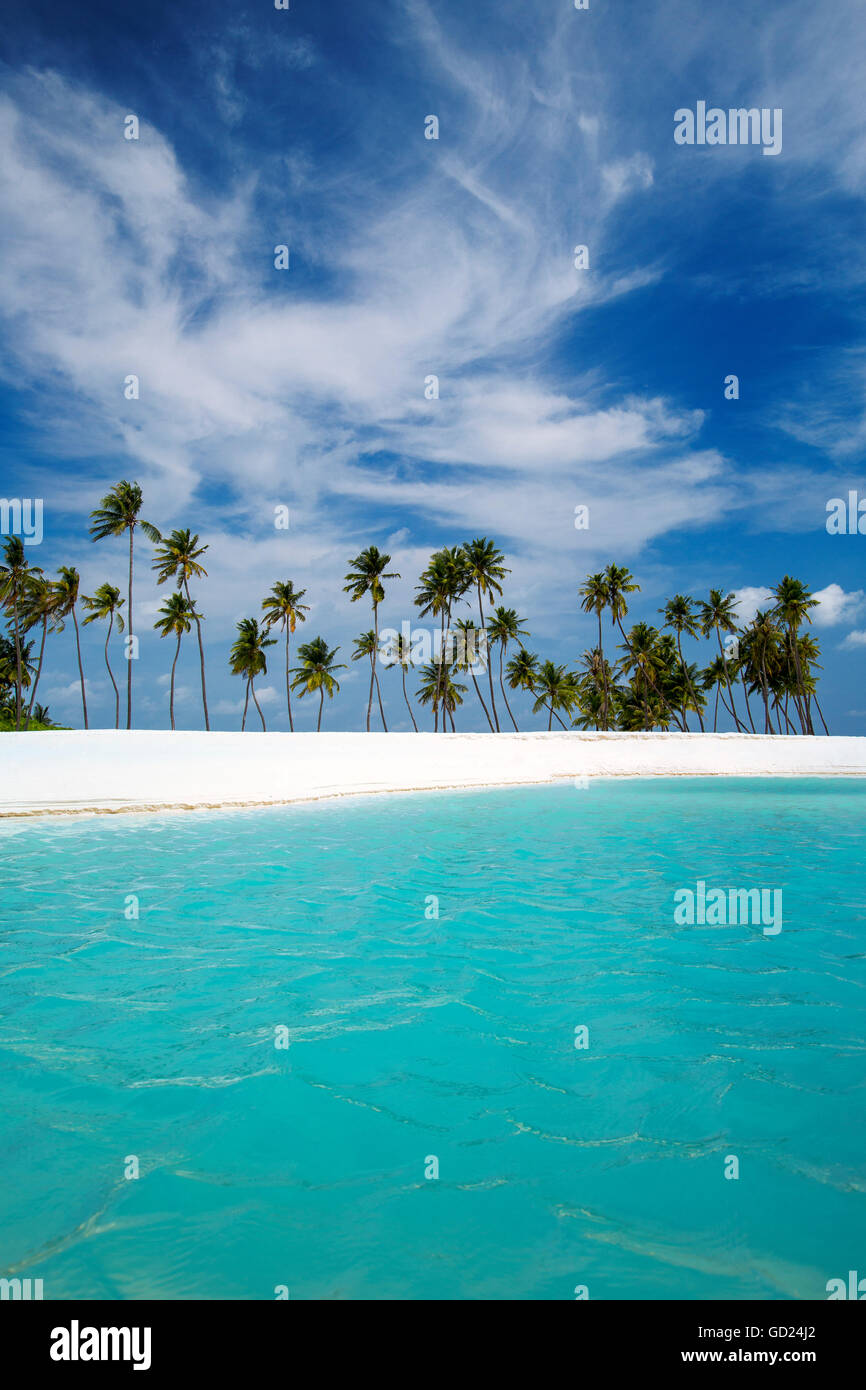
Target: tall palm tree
x,y
177,557
644,663
444,581
522,671
466,656
437,688
247,658
107,603
793,605
283,606
366,645
555,689
13,580
679,615
594,593
401,655
176,617
365,575
809,653
118,512
504,627
316,672
484,563
38,606
718,615
761,648
713,678
66,590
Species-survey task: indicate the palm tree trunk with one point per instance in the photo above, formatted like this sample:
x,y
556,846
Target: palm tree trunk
x,y
20,674
200,657
131,643
381,710
288,682
246,706
111,674
821,712
481,698
598,613
321,704
372,675
691,687
741,728
258,707
439,676
39,673
716,711
406,698
502,688
793,636
765,691
746,697
487,654
80,667
171,696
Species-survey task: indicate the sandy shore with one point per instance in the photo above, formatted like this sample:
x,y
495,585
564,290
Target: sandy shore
x,y
105,771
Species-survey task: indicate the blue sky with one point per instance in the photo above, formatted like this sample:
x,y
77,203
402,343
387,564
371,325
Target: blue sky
x,y
410,257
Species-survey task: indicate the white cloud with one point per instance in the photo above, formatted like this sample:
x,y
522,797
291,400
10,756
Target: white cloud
x,y
836,606
857,638
750,600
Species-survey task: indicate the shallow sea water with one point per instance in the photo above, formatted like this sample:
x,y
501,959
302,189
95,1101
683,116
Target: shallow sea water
x,y
414,1037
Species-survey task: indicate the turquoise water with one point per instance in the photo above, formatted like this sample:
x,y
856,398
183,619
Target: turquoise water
x,y
413,1038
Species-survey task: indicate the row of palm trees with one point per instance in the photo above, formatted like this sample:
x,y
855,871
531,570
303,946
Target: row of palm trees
x,y
651,685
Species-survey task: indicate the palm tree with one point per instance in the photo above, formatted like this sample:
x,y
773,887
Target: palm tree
x,y
484,563
247,658
809,653
366,573
555,689
644,662
107,603
366,645
283,605
718,615
38,605
66,590
177,557
438,689
176,617
680,616
316,672
793,605
466,656
594,593
505,627
522,671
13,580
401,655
760,649
444,581
118,512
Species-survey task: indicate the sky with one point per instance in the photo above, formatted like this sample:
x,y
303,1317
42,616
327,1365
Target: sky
x,y
599,386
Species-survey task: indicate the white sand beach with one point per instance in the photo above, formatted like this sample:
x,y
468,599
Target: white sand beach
x,y
73,772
